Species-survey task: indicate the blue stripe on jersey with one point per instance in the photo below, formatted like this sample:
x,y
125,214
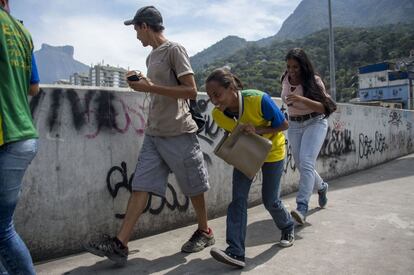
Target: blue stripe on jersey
x,y
271,112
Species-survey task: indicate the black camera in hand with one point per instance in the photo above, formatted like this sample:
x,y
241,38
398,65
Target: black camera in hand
x,y
134,76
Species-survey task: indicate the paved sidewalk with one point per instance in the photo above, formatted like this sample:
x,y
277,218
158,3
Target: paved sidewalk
x,y
367,228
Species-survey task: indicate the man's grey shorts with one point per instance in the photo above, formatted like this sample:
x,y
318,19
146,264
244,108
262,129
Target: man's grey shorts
x,y
178,154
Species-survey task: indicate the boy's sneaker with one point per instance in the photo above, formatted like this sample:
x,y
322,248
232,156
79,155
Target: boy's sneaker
x,y
323,199
299,217
109,247
227,258
287,239
199,241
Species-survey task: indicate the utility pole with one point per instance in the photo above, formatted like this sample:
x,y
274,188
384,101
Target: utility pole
x,y
331,54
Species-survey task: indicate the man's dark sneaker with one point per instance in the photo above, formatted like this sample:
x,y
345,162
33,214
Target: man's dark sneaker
x,y
227,258
299,217
323,199
287,239
109,247
198,241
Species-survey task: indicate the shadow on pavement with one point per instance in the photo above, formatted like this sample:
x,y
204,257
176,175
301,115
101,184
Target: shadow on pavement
x,y
258,233
394,169
134,265
266,232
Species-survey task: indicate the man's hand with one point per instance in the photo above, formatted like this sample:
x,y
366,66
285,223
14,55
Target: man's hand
x,y
141,85
249,129
34,89
291,99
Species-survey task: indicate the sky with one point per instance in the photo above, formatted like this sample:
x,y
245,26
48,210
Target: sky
x,y
95,27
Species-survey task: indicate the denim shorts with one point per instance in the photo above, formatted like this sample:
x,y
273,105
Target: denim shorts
x,y
181,155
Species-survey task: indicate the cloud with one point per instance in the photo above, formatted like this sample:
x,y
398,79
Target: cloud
x,y
95,39
95,27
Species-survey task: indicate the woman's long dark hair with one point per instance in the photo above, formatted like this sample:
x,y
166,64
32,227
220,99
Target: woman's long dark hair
x,y
311,89
225,79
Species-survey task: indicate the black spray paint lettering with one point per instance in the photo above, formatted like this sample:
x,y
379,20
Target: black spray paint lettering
x,y
164,202
289,163
211,131
126,183
77,113
367,148
395,118
104,115
337,143
56,99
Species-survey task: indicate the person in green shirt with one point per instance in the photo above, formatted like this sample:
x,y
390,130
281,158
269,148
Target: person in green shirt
x,y
18,135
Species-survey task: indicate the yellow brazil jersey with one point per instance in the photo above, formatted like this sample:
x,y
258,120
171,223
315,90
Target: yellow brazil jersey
x,y
258,110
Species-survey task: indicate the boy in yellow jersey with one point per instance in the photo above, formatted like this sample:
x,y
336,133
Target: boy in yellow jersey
x,y
259,115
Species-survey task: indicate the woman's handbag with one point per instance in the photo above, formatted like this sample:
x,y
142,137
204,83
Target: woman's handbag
x,y
330,106
246,152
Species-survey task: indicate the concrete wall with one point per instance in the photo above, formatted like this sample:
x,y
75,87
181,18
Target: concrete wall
x,y
78,185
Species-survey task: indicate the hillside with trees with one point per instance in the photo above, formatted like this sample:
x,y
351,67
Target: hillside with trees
x,y
261,67
311,16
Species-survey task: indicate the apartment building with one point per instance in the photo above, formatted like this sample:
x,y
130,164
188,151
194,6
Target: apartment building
x,y
107,76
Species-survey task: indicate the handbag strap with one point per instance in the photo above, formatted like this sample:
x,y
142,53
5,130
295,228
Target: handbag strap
x,y
188,101
239,95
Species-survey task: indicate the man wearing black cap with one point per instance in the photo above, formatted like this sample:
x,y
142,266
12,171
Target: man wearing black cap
x,y
170,142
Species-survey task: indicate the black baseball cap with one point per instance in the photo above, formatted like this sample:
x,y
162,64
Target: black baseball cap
x,y
148,14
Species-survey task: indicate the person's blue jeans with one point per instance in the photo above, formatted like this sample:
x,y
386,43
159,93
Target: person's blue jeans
x,y
237,210
15,157
306,139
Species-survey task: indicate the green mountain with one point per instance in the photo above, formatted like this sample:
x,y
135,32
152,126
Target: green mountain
x,y
311,16
221,49
261,67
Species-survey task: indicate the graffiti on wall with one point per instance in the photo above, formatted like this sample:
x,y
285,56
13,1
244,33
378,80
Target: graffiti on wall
x,y
152,206
95,111
211,131
398,140
370,146
289,161
337,142
395,118
104,110
98,109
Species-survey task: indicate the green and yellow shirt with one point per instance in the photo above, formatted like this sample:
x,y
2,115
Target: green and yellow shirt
x,y
16,48
258,110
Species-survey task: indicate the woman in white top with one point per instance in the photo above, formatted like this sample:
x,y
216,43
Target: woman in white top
x,y
304,93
